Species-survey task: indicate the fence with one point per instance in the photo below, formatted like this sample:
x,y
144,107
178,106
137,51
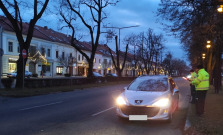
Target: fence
x,y
67,81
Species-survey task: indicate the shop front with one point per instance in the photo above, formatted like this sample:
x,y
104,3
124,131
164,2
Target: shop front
x,y
12,66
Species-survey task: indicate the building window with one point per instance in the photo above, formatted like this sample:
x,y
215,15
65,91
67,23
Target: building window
x,y
57,54
43,51
10,45
79,57
45,68
32,50
18,49
82,57
70,54
99,60
62,55
59,70
48,52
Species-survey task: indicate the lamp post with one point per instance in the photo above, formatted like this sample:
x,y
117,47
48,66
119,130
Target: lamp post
x,y
119,29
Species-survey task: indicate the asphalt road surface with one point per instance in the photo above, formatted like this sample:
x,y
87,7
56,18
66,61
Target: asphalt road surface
x,y
84,112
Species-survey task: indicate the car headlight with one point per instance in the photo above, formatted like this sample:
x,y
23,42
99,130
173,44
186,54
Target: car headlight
x,y
120,101
164,102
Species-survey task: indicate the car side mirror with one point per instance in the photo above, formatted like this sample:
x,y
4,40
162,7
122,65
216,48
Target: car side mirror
x,y
175,90
125,88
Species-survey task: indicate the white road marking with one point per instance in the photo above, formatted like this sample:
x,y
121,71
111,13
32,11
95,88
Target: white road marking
x,y
102,111
40,106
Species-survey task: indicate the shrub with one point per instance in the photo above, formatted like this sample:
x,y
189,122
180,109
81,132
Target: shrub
x,y
67,75
35,75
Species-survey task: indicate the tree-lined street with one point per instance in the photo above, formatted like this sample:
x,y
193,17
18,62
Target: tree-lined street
x,y
88,111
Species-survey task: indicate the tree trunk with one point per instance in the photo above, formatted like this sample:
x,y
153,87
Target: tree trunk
x,y
90,68
20,71
217,75
119,72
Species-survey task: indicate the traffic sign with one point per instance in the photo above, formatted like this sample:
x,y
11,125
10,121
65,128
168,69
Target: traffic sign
x,y
24,54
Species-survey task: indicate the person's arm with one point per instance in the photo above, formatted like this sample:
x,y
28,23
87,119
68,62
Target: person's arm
x,y
197,80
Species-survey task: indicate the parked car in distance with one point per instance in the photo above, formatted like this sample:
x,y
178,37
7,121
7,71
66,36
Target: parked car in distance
x,y
14,74
96,74
148,98
111,75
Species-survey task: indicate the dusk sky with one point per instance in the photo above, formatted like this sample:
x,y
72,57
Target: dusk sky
x,y
125,13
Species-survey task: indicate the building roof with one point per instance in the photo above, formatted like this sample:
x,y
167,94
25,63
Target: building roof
x,y
50,35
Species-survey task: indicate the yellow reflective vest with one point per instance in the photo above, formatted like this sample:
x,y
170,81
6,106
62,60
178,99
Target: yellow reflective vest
x,y
193,76
202,80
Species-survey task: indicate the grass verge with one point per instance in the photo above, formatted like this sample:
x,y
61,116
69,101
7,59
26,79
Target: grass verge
x,y
211,122
41,91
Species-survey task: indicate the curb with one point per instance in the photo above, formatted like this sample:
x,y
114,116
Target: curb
x,y
187,123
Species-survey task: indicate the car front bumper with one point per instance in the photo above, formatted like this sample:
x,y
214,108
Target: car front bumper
x,y
158,114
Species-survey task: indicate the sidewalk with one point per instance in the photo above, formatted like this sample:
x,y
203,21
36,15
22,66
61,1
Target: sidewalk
x,y
211,123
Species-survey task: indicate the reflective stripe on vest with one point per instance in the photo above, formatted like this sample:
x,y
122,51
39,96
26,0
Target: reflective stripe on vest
x,y
202,88
202,80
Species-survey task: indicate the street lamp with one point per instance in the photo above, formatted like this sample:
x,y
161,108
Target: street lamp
x,y
220,9
119,28
208,44
203,55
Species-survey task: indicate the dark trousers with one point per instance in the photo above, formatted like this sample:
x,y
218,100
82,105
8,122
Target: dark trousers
x,y
200,95
193,93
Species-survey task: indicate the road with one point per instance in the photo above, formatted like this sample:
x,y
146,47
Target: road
x,y
83,112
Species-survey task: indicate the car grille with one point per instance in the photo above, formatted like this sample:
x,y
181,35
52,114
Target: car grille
x,y
133,110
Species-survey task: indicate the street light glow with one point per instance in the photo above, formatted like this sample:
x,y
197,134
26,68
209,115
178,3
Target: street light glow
x,y
208,41
208,46
220,9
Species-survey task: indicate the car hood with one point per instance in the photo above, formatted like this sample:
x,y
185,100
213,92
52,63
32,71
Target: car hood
x,y
146,98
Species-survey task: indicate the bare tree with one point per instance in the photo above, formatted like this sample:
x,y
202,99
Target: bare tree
x,y
195,22
12,11
72,10
118,67
167,64
180,67
67,61
150,46
132,40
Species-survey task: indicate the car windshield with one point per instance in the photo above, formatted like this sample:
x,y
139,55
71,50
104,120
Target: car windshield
x,y
149,84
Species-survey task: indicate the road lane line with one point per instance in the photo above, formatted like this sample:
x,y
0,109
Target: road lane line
x,y
40,106
102,111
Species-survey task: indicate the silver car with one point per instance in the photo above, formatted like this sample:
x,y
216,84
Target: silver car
x,y
14,74
148,98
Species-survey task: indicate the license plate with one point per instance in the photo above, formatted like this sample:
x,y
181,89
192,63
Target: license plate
x,y
137,117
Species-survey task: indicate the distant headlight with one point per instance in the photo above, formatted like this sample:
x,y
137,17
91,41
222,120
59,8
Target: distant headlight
x,y
120,101
164,102
189,76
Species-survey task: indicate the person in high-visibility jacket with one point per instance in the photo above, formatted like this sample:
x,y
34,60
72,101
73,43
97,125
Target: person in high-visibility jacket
x,y
192,86
202,86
